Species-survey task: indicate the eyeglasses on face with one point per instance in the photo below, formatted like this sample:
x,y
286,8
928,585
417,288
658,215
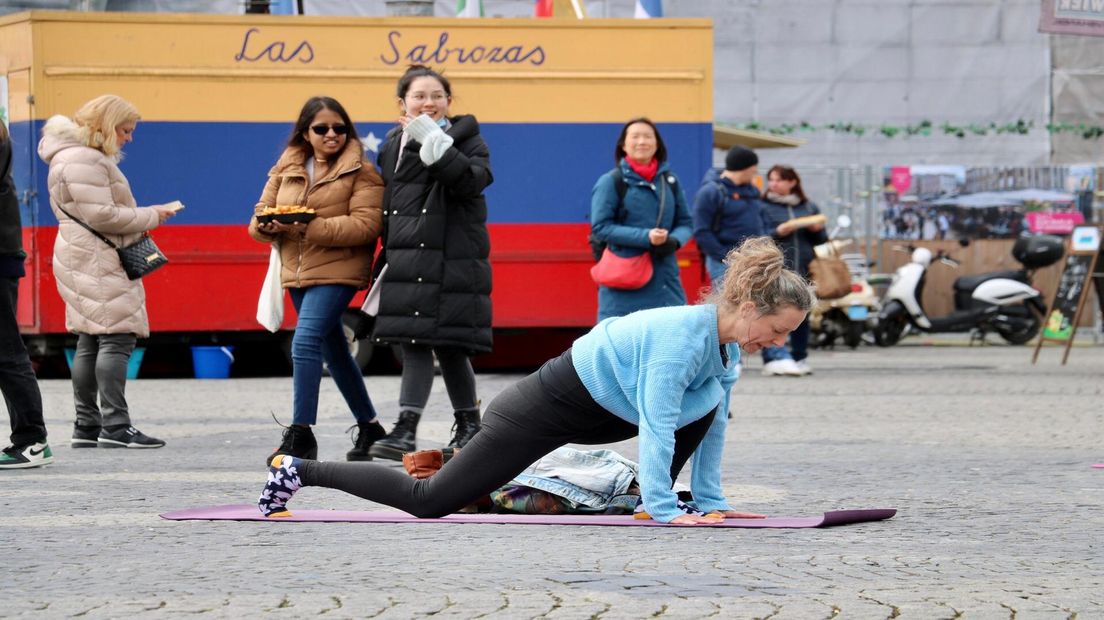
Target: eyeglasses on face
x,y
321,130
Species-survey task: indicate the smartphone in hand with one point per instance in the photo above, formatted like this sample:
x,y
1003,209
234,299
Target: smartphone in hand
x,y
176,206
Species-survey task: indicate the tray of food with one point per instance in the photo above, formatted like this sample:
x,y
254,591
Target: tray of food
x,y
286,214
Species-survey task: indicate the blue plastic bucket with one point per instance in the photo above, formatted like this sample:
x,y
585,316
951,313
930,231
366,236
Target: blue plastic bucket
x,y
212,362
133,366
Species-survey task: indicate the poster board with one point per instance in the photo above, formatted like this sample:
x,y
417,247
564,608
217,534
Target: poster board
x,y
1064,313
1065,17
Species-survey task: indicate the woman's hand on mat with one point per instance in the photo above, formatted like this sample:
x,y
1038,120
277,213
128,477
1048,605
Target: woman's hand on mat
x,y
736,514
696,520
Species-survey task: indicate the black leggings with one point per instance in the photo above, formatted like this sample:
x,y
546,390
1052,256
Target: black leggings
x,y
417,377
529,419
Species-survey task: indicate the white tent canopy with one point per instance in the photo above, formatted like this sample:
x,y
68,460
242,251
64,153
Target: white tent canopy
x,y
1011,198
1039,195
978,200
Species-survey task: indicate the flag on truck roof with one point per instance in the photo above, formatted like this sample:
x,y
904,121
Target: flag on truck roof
x,y
560,8
646,9
283,7
469,8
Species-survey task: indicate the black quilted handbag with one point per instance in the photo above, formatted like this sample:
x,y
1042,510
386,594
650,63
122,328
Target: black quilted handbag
x,y
139,259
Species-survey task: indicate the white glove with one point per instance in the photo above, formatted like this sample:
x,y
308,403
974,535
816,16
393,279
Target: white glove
x,y
434,147
434,140
422,128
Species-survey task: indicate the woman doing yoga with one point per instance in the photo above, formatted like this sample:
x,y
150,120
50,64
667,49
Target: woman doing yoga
x,y
662,375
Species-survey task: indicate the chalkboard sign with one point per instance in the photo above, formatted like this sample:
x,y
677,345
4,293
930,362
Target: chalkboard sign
x,y
1060,322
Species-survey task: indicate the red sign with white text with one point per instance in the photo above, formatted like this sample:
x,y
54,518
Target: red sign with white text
x,y
901,178
1053,223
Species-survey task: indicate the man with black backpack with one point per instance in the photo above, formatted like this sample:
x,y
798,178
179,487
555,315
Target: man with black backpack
x,y
726,209
726,212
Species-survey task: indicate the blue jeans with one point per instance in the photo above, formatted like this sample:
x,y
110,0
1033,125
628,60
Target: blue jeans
x,y
319,336
716,271
799,341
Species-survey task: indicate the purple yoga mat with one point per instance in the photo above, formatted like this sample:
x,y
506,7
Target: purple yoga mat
x,y
248,512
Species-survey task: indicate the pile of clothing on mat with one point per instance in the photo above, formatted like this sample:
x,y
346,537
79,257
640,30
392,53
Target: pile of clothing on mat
x,y
565,481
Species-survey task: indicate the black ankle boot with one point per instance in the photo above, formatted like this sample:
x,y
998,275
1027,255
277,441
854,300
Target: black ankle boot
x,y
298,442
400,440
467,425
364,436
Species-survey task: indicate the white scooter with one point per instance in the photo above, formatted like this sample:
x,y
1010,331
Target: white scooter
x,y
1000,301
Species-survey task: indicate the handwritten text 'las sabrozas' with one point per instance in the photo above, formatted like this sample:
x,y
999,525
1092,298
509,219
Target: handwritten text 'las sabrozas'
x,y
441,53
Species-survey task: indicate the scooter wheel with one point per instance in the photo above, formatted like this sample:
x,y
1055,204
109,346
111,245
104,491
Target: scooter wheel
x,y
1023,325
853,337
891,326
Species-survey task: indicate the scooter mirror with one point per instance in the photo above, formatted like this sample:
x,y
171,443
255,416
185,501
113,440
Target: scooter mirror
x,y
843,221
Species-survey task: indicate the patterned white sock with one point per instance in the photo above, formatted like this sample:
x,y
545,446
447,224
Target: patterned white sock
x,y
283,482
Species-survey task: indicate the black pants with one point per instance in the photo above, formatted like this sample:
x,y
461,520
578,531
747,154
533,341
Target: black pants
x,y
417,377
538,414
17,378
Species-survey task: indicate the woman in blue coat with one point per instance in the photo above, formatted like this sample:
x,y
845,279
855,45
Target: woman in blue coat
x,y
635,223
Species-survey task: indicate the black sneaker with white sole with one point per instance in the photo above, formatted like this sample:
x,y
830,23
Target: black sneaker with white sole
x,y
85,436
127,437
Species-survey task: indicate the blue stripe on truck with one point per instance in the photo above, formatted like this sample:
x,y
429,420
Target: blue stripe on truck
x,y
543,172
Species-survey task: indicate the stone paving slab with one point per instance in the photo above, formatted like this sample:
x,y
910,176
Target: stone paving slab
x,y
986,458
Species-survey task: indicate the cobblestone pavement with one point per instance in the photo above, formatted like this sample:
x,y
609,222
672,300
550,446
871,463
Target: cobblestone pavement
x,y
986,457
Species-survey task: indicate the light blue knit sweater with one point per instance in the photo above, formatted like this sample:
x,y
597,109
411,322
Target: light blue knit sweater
x,y
661,369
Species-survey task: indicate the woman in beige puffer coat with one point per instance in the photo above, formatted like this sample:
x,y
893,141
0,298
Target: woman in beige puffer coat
x,y
103,307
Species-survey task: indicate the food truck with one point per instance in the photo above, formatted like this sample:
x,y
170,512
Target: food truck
x,y
218,96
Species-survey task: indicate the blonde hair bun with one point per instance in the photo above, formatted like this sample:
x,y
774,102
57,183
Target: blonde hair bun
x,y
756,272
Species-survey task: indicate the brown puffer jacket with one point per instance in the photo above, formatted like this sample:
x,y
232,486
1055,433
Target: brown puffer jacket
x,y
336,247
99,299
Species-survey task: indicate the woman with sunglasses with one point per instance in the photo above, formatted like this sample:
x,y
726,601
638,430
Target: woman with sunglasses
x,y
435,297
324,262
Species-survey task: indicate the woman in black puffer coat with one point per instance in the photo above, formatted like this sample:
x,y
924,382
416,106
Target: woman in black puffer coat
x,y
435,296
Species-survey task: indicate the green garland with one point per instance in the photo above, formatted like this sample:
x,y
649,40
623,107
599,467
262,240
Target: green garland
x,y
925,128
